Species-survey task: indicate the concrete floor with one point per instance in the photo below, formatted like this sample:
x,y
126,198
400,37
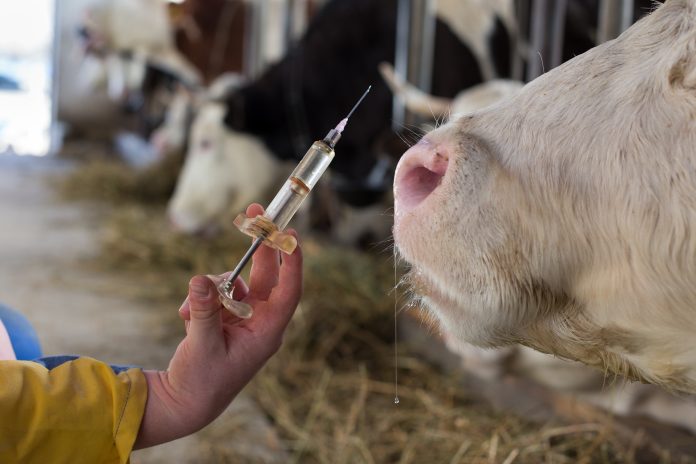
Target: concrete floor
x,y
74,309
43,246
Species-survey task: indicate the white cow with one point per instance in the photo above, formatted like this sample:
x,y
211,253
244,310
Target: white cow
x,y
224,170
216,155
564,219
126,35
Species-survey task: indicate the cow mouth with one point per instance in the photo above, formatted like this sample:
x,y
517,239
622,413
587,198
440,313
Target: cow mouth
x,y
418,175
422,287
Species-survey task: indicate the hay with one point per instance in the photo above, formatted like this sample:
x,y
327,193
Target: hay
x,y
329,391
114,182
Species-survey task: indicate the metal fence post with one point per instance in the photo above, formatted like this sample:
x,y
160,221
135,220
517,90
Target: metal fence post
x,y
627,14
415,47
546,36
609,23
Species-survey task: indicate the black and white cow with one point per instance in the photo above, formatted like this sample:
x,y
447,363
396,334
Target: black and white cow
x,y
305,94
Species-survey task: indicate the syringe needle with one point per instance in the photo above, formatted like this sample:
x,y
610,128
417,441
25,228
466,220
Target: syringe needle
x,y
358,103
335,134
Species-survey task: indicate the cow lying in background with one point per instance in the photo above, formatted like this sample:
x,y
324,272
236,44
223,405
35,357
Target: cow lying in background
x,y
216,155
564,219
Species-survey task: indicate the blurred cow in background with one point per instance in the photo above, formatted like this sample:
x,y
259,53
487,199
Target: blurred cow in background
x,y
81,107
143,51
116,55
127,36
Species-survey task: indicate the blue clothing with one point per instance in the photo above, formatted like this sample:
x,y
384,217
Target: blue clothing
x,y
22,335
51,362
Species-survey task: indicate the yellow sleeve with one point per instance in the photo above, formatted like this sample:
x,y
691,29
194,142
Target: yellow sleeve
x,y
78,412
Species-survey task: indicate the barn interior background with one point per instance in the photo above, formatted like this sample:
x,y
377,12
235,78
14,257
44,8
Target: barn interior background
x,y
105,104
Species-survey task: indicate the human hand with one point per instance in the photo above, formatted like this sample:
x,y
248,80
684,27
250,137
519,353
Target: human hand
x,y
221,352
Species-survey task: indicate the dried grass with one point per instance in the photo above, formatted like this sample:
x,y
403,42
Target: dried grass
x,y
110,180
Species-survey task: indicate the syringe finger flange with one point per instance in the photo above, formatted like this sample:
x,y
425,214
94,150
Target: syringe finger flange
x,y
261,226
238,308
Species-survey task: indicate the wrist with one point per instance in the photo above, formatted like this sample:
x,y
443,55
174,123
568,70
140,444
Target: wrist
x,y
167,415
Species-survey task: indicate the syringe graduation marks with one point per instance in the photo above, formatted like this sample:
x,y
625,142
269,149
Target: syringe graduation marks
x,y
268,228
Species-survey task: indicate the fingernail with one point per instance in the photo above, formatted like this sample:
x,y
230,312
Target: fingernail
x,y
200,288
181,308
294,233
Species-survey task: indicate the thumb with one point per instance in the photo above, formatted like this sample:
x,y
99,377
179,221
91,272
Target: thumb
x,y
204,305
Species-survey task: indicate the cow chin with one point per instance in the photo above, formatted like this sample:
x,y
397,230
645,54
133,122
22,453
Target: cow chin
x,y
459,291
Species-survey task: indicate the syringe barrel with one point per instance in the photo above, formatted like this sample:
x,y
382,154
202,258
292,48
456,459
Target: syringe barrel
x,y
302,180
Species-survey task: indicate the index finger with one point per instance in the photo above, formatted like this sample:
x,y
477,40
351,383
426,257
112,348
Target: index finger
x,y
265,264
286,296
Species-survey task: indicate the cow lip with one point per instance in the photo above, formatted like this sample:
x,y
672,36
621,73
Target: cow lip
x,y
422,286
418,175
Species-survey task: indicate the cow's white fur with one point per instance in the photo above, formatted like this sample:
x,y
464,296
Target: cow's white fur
x,y
574,232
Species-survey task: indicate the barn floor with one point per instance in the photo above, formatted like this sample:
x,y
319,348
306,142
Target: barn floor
x,y
45,274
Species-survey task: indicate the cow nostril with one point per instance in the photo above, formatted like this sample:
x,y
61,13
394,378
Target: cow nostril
x,y
420,172
419,183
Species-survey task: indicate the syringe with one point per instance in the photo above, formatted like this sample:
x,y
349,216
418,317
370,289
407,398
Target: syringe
x,y
268,228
